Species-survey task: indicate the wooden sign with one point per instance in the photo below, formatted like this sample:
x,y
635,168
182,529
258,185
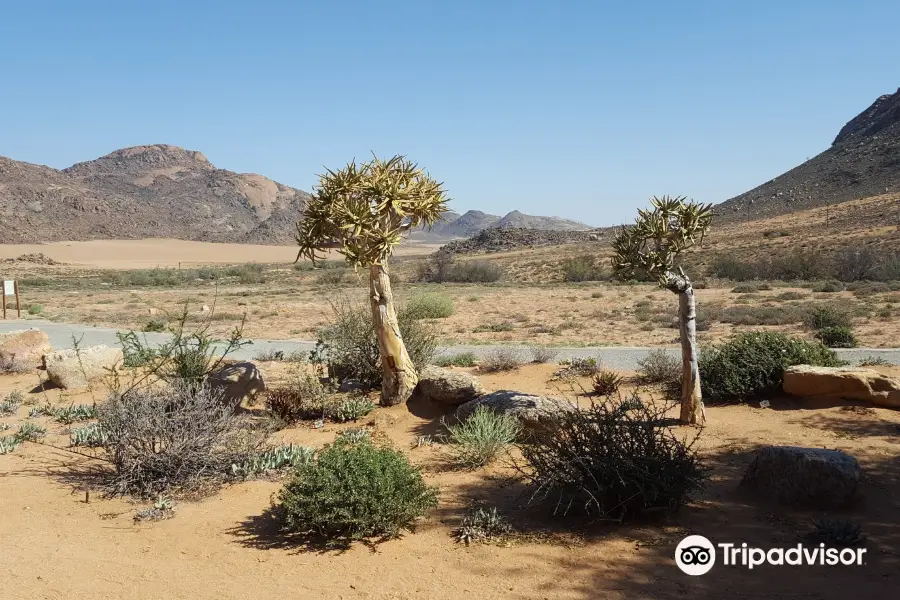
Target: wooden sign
x,y
11,289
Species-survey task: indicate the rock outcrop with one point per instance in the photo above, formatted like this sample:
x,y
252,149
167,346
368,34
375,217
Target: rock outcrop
x,y
534,412
842,383
73,369
23,350
803,477
451,388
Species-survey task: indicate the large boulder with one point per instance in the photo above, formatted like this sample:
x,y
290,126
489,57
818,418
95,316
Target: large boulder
x,y
237,382
846,383
444,386
71,368
22,350
803,477
534,412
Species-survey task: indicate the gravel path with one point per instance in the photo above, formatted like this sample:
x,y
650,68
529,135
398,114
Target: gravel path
x,y
616,357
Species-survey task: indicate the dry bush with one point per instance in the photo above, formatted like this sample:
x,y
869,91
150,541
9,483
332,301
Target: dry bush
x,y
173,438
501,359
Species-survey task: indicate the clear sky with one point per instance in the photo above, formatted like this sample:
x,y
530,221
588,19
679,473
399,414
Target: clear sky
x,y
581,109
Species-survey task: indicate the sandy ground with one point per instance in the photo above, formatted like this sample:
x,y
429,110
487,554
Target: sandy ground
x,y
143,254
58,544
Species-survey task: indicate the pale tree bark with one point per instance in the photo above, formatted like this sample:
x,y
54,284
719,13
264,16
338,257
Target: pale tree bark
x,y
692,410
399,373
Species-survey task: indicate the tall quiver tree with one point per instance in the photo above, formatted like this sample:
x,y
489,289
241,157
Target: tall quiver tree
x,y
651,247
363,212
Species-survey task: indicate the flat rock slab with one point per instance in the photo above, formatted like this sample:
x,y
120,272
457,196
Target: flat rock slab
x,y
534,412
444,386
847,383
803,477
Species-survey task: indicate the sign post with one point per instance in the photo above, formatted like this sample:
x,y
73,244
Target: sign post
x,y
11,288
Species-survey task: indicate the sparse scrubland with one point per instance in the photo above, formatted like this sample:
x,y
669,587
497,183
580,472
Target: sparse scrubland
x,y
314,473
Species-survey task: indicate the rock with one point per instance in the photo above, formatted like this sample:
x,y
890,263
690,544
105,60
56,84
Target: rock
x,y
534,412
72,368
847,383
237,382
352,385
448,387
803,477
22,350
204,309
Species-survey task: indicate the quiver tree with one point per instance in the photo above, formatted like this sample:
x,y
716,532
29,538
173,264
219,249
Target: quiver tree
x,y
362,212
650,247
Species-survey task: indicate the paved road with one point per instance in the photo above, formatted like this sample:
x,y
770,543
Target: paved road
x,y
617,357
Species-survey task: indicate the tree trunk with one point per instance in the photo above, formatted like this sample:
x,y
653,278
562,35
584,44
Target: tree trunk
x,y
399,373
692,410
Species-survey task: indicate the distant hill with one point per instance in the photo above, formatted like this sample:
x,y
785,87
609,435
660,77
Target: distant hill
x,y
165,191
863,161
140,192
454,225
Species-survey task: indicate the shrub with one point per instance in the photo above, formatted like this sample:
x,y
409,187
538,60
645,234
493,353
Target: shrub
x,y
249,273
8,444
74,413
824,316
304,398
176,437
836,337
430,306
828,287
442,267
273,459
155,325
577,367
11,403
479,439
729,267
494,327
482,525
351,347
92,436
542,354
606,382
582,268
762,315
501,359
751,364
334,277
29,432
874,361
616,459
790,295
353,408
355,491
463,359
841,532
660,367
35,309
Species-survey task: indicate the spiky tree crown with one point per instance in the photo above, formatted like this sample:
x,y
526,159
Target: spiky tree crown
x,y
363,211
659,235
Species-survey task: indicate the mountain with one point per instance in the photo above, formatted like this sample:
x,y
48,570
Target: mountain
x,y
454,225
863,161
144,191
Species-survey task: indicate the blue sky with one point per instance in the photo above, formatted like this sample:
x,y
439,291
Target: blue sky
x,y
581,109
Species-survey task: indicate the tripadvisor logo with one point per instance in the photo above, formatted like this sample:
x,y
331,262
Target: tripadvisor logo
x,y
696,555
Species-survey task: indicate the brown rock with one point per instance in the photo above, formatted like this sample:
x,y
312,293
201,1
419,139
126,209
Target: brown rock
x,y
448,387
535,413
22,350
844,383
73,368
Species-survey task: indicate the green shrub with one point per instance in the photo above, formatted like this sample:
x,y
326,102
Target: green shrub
x,y
729,267
247,274
91,436
501,359
606,382
582,268
351,347
29,432
463,359
790,295
751,364
353,408
616,459
836,337
273,459
762,315
874,361
828,287
824,316
578,366
35,309
305,397
75,413
11,402
479,439
442,267
660,367
155,325
482,525
430,306
355,491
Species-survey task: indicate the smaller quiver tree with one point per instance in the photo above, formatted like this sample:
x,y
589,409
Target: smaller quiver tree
x,y
362,212
651,247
